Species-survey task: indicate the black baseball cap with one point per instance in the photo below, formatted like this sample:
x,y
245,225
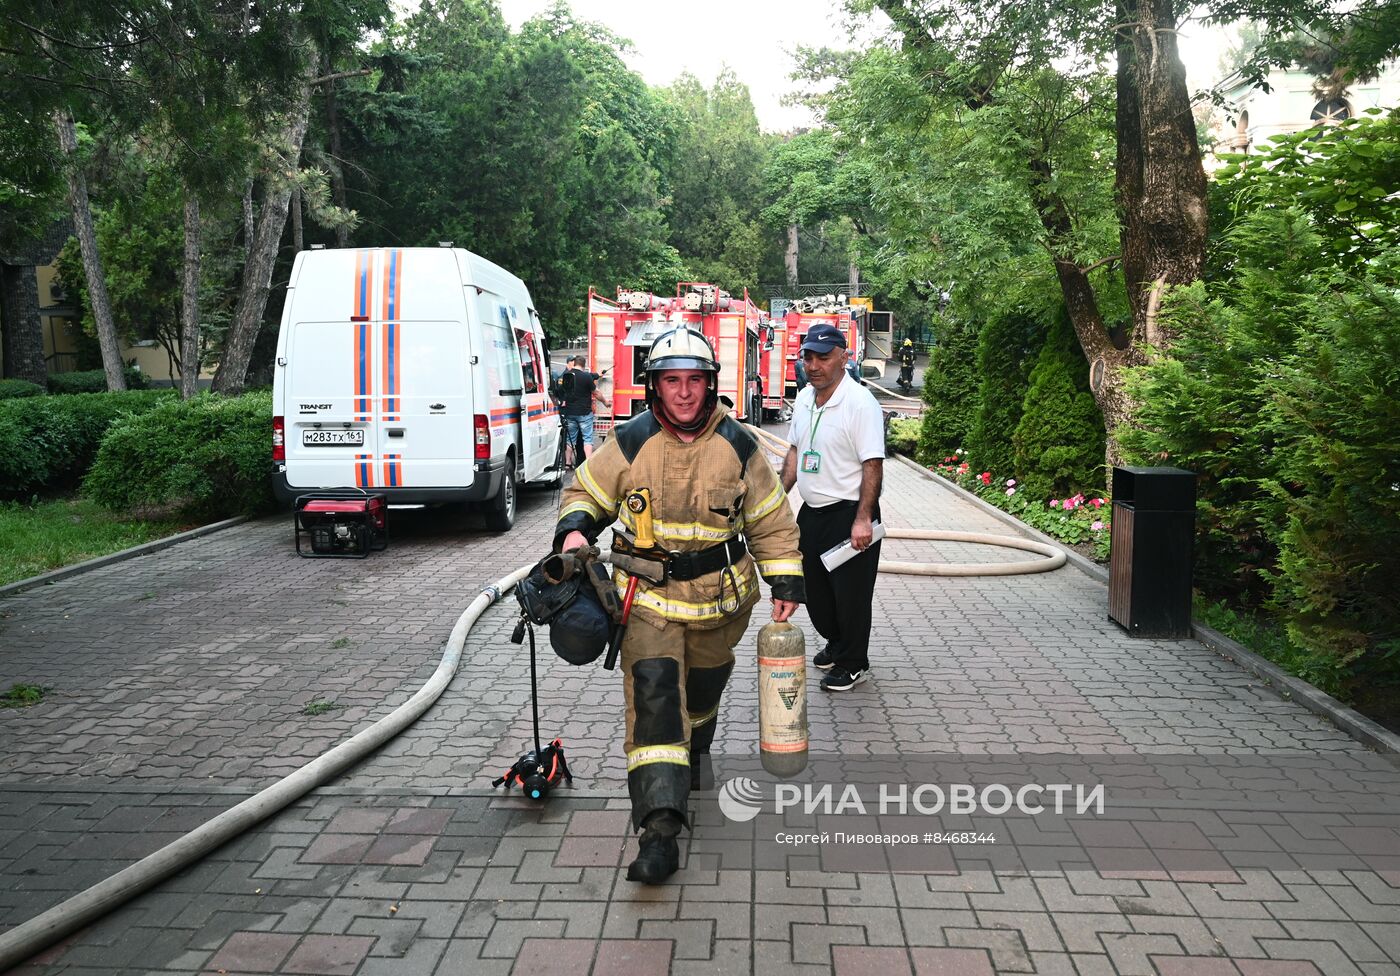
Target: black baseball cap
x,y
821,339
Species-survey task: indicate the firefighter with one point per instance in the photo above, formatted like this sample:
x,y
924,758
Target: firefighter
x,y
906,364
720,519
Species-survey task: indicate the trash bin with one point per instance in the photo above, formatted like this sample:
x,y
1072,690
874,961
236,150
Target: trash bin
x,y
1154,514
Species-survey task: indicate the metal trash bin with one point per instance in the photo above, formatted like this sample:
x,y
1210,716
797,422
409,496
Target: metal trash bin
x,y
1154,515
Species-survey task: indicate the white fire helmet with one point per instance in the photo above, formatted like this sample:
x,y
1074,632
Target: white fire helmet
x,y
683,348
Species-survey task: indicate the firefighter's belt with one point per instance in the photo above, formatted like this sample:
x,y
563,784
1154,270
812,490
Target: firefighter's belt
x,y
657,566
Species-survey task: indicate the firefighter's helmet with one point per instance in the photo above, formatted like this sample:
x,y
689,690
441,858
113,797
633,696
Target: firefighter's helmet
x,y
909,342
683,348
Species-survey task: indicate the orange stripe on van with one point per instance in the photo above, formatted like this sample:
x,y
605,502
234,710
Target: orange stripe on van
x,y
364,470
393,470
362,336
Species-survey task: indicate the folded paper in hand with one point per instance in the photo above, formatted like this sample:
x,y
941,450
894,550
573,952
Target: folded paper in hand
x,y
841,552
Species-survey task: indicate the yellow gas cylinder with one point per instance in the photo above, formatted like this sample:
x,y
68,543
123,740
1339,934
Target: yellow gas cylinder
x,y
782,699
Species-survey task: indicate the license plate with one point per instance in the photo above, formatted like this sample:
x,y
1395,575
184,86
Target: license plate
x,y
333,438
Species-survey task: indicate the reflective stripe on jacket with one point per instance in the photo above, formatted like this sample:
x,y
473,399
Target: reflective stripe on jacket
x,y
703,493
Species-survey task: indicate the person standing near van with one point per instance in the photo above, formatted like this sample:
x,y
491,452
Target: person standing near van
x,y
836,458
721,520
576,412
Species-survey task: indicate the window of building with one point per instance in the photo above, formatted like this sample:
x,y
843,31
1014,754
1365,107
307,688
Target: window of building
x,y
1330,111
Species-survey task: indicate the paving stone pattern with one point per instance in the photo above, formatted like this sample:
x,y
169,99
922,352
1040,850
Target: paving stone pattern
x,y
178,686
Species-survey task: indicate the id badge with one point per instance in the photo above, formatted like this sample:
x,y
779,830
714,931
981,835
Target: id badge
x,y
811,462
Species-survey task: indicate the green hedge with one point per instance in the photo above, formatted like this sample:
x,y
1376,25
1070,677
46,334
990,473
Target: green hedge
x,y
1059,442
14,389
1007,347
95,381
47,443
205,458
950,390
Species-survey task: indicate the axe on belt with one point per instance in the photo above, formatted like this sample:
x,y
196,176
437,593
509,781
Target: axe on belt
x,y
638,502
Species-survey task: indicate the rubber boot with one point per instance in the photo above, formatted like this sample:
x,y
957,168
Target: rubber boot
x,y
658,855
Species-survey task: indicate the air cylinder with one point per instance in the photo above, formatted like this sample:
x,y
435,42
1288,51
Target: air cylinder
x,y
782,699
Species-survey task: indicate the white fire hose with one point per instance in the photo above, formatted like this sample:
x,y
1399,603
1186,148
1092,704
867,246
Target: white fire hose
x,y
42,931
1054,557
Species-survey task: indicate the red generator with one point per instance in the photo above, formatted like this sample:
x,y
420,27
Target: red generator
x,y
340,525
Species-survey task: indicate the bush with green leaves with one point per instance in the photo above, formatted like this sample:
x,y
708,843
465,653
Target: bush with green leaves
x,y
95,381
207,457
902,435
1283,395
47,443
1007,347
950,390
1058,445
14,389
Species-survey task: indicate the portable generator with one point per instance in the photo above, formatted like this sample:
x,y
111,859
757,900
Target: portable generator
x,y
340,524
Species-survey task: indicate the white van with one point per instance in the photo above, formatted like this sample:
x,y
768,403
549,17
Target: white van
x,y
421,373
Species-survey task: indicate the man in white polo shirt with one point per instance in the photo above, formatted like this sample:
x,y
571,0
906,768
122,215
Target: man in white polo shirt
x,y
836,458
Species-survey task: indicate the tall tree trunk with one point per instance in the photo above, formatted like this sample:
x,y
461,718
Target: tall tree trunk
x,y
257,274
23,333
342,233
852,279
790,258
189,300
248,224
92,260
1161,183
298,240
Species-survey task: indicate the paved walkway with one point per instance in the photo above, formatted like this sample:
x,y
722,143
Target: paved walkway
x,y
178,687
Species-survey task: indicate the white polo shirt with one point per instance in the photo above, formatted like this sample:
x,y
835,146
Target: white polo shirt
x,y
848,429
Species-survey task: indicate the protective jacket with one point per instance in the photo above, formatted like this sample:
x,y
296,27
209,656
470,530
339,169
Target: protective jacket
x,y
704,493
906,356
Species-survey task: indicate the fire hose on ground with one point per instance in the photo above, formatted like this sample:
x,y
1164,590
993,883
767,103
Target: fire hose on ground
x,y
1054,557
42,931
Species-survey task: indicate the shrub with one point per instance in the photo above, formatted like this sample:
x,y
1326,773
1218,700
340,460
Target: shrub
x,y
95,381
950,391
1059,443
902,435
1006,349
1283,394
14,389
47,443
208,457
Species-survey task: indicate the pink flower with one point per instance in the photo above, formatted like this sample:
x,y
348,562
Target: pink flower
x,y
986,477
1054,503
1010,482
1097,526
1097,503
1010,492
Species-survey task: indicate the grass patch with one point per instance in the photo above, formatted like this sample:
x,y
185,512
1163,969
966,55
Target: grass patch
x,y
38,537
22,696
320,706
340,643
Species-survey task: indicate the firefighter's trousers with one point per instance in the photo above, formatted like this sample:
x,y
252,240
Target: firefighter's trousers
x,y
673,676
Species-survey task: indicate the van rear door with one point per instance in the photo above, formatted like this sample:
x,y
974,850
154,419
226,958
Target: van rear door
x,y
331,432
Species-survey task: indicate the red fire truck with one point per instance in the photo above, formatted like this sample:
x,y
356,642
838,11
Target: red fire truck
x,y
621,330
807,312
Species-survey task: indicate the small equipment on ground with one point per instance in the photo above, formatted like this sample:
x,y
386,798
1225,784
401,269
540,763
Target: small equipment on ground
x,y
340,523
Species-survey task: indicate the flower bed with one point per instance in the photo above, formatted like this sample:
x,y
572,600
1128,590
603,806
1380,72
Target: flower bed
x,y
1077,520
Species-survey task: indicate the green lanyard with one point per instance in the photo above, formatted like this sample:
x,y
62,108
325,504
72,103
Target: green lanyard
x,y
812,434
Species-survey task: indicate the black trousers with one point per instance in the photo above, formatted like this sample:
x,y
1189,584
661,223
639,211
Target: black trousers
x,y
839,602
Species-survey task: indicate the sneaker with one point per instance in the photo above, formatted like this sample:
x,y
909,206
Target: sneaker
x,y
825,659
842,680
